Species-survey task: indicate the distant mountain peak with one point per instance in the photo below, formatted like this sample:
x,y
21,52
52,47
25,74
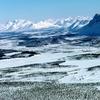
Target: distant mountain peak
x,y
92,28
96,19
97,16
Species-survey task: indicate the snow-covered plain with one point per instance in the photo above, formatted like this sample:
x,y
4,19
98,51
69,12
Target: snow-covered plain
x,y
53,64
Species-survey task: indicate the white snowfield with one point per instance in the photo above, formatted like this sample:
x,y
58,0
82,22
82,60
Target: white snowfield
x,y
68,71
80,74
37,59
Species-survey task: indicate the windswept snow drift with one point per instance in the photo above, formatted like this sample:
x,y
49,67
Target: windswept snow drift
x,y
54,63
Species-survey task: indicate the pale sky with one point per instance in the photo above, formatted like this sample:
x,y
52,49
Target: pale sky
x,y
37,10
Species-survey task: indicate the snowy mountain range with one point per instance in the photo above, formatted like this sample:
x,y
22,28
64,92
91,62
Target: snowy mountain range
x,y
75,31
80,25
24,25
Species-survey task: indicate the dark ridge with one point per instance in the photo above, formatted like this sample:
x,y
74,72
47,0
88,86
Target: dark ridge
x,y
93,68
95,19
